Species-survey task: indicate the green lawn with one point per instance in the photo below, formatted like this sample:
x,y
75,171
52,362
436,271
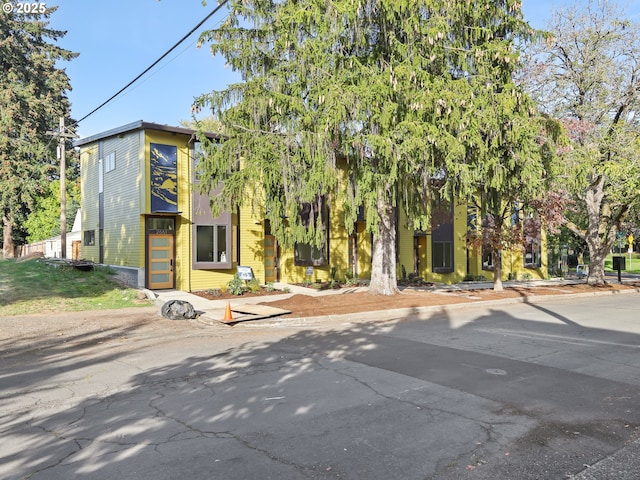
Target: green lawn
x,y
633,266
35,287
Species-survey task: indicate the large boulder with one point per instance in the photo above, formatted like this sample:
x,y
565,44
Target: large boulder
x,y
178,310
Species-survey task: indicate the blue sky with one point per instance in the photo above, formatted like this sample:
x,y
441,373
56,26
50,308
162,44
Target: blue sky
x,y
118,39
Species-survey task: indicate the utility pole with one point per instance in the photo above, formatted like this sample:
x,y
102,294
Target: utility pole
x,y
62,135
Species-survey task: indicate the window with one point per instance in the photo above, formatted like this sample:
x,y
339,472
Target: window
x,y
306,254
212,246
487,258
515,213
161,224
110,162
532,243
198,155
89,237
442,237
533,255
442,256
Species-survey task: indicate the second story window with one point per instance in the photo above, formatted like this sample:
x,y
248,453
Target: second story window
x,y
110,162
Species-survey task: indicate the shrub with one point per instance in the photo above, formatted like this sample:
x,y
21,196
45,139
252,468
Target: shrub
x,y
474,278
235,287
253,285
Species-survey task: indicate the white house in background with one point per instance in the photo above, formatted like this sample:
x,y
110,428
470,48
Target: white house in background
x,y
53,245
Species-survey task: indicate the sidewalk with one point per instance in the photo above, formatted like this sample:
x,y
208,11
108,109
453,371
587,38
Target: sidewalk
x,y
212,311
215,309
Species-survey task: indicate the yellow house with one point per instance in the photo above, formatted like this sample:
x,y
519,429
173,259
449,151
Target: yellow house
x,y
143,216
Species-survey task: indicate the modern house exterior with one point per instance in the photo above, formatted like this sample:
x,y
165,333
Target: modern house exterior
x,y
142,214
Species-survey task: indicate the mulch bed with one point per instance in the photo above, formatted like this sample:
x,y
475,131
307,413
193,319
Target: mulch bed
x,y
307,306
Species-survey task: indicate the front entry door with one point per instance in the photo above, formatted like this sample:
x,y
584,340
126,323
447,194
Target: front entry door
x,y
270,259
161,261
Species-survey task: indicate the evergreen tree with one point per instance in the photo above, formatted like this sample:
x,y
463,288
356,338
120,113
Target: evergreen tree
x,y
44,221
384,104
588,76
32,98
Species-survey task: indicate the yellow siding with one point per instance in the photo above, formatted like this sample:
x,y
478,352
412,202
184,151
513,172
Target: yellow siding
x,y
183,249
405,246
475,263
89,199
459,250
460,242
338,242
338,254
183,223
208,279
513,264
423,270
251,254
364,251
252,242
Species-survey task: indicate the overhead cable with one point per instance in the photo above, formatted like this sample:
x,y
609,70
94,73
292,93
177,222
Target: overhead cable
x,y
215,10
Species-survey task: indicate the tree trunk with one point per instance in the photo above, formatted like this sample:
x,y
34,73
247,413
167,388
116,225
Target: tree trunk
x,y
497,271
383,256
7,237
601,230
596,265
593,200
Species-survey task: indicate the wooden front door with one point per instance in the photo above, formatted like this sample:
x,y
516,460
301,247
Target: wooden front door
x,y
160,261
270,259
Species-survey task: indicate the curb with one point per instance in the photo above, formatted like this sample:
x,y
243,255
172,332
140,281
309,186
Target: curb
x,y
417,313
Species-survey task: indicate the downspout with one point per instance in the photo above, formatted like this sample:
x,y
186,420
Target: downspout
x,y
190,183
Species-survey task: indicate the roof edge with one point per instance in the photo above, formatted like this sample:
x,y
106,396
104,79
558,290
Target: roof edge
x,y
139,125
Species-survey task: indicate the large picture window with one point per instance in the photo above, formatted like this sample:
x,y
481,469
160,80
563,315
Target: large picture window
x,y
211,243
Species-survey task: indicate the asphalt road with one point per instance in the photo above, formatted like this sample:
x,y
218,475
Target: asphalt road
x,y
525,391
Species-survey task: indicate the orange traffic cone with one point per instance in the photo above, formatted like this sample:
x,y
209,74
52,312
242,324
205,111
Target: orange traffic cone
x,y
227,314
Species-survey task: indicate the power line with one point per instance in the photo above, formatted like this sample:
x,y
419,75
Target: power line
x,y
215,10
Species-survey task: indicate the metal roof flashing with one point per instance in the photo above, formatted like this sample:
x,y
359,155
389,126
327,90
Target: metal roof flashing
x,y
138,125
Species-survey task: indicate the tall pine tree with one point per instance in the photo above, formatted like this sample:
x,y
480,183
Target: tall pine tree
x,y
32,97
384,104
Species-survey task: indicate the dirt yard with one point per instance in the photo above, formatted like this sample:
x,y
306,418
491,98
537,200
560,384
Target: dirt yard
x,y
306,306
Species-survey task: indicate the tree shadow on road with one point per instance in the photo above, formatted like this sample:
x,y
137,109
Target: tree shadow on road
x,y
399,399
